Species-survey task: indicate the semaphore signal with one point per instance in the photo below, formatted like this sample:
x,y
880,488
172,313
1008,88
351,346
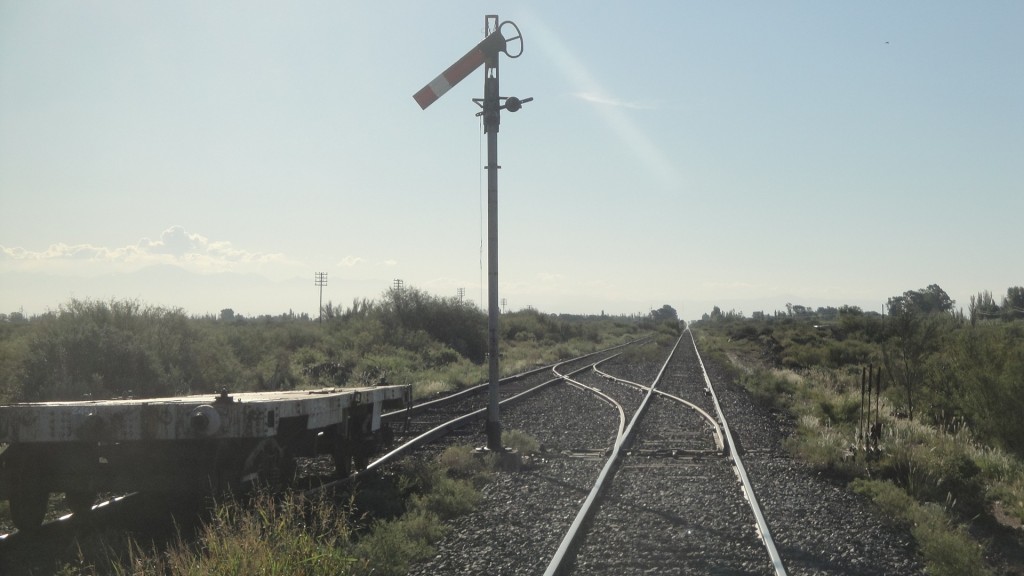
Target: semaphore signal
x,y
486,54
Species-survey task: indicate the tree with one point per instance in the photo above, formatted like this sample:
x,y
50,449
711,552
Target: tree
x,y
1013,303
932,299
913,335
665,314
983,306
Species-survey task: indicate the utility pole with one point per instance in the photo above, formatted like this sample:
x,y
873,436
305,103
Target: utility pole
x,y
461,292
399,284
320,279
486,54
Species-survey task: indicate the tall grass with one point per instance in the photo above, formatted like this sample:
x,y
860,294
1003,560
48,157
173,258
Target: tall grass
x,y
267,536
439,492
948,549
293,536
931,477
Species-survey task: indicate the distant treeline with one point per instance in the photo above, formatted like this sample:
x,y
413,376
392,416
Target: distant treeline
x,y
121,348
939,365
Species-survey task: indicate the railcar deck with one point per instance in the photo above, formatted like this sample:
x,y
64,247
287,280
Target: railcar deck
x,y
182,444
224,415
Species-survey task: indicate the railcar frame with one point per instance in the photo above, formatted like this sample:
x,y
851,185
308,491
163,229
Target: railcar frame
x,y
211,442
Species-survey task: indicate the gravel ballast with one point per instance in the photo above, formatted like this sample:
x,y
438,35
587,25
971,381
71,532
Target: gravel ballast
x,y
818,526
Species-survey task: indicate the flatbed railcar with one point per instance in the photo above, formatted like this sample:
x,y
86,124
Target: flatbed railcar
x,y
198,443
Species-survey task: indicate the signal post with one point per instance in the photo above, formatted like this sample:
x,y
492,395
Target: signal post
x,y
486,54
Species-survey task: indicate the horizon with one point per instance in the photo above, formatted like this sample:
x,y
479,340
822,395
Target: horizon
x,y
245,305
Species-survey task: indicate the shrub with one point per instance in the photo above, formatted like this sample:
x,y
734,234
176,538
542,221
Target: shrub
x,y
103,350
262,536
391,547
824,447
947,549
520,441
934,467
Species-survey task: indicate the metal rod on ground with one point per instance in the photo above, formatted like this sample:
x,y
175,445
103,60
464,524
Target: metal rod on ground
x,y
867,418
860,426
878,393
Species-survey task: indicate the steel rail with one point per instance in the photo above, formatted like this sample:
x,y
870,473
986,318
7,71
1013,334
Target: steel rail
x,y
567,548
437,432
480,388
748,489
65,519
448,398
719,437
601,395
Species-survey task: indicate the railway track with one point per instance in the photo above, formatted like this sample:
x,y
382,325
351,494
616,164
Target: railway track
x,y
668,493
426,423
645,523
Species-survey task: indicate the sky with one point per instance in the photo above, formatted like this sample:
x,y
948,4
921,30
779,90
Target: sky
x,y
211,155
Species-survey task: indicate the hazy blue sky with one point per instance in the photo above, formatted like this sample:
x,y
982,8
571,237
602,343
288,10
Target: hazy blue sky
x,y
210,155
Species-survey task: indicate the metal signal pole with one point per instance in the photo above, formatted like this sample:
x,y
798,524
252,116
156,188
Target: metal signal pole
x,y
486,54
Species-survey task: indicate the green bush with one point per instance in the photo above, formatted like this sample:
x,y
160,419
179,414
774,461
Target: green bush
x,y
391,547
650,352
265,536
934,467
825,447
520,441
104,350
948,550
13,354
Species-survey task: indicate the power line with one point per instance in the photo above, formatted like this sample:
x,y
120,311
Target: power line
x,y
320,279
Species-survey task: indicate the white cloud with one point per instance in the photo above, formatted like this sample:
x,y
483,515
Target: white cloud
x,y
176,241
176,246
351,261
599,98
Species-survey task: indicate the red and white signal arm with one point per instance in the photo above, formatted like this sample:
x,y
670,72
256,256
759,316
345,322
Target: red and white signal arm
x,y
488,47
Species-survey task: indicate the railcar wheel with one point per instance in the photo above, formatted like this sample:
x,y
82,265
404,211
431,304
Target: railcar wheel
x,y
28,507
342,456
361,458
269,464
80,502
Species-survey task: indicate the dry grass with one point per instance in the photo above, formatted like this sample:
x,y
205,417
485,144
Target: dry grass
x,y
927,477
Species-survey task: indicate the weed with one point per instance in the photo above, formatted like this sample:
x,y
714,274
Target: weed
x,y
520,441
947,549
391,547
